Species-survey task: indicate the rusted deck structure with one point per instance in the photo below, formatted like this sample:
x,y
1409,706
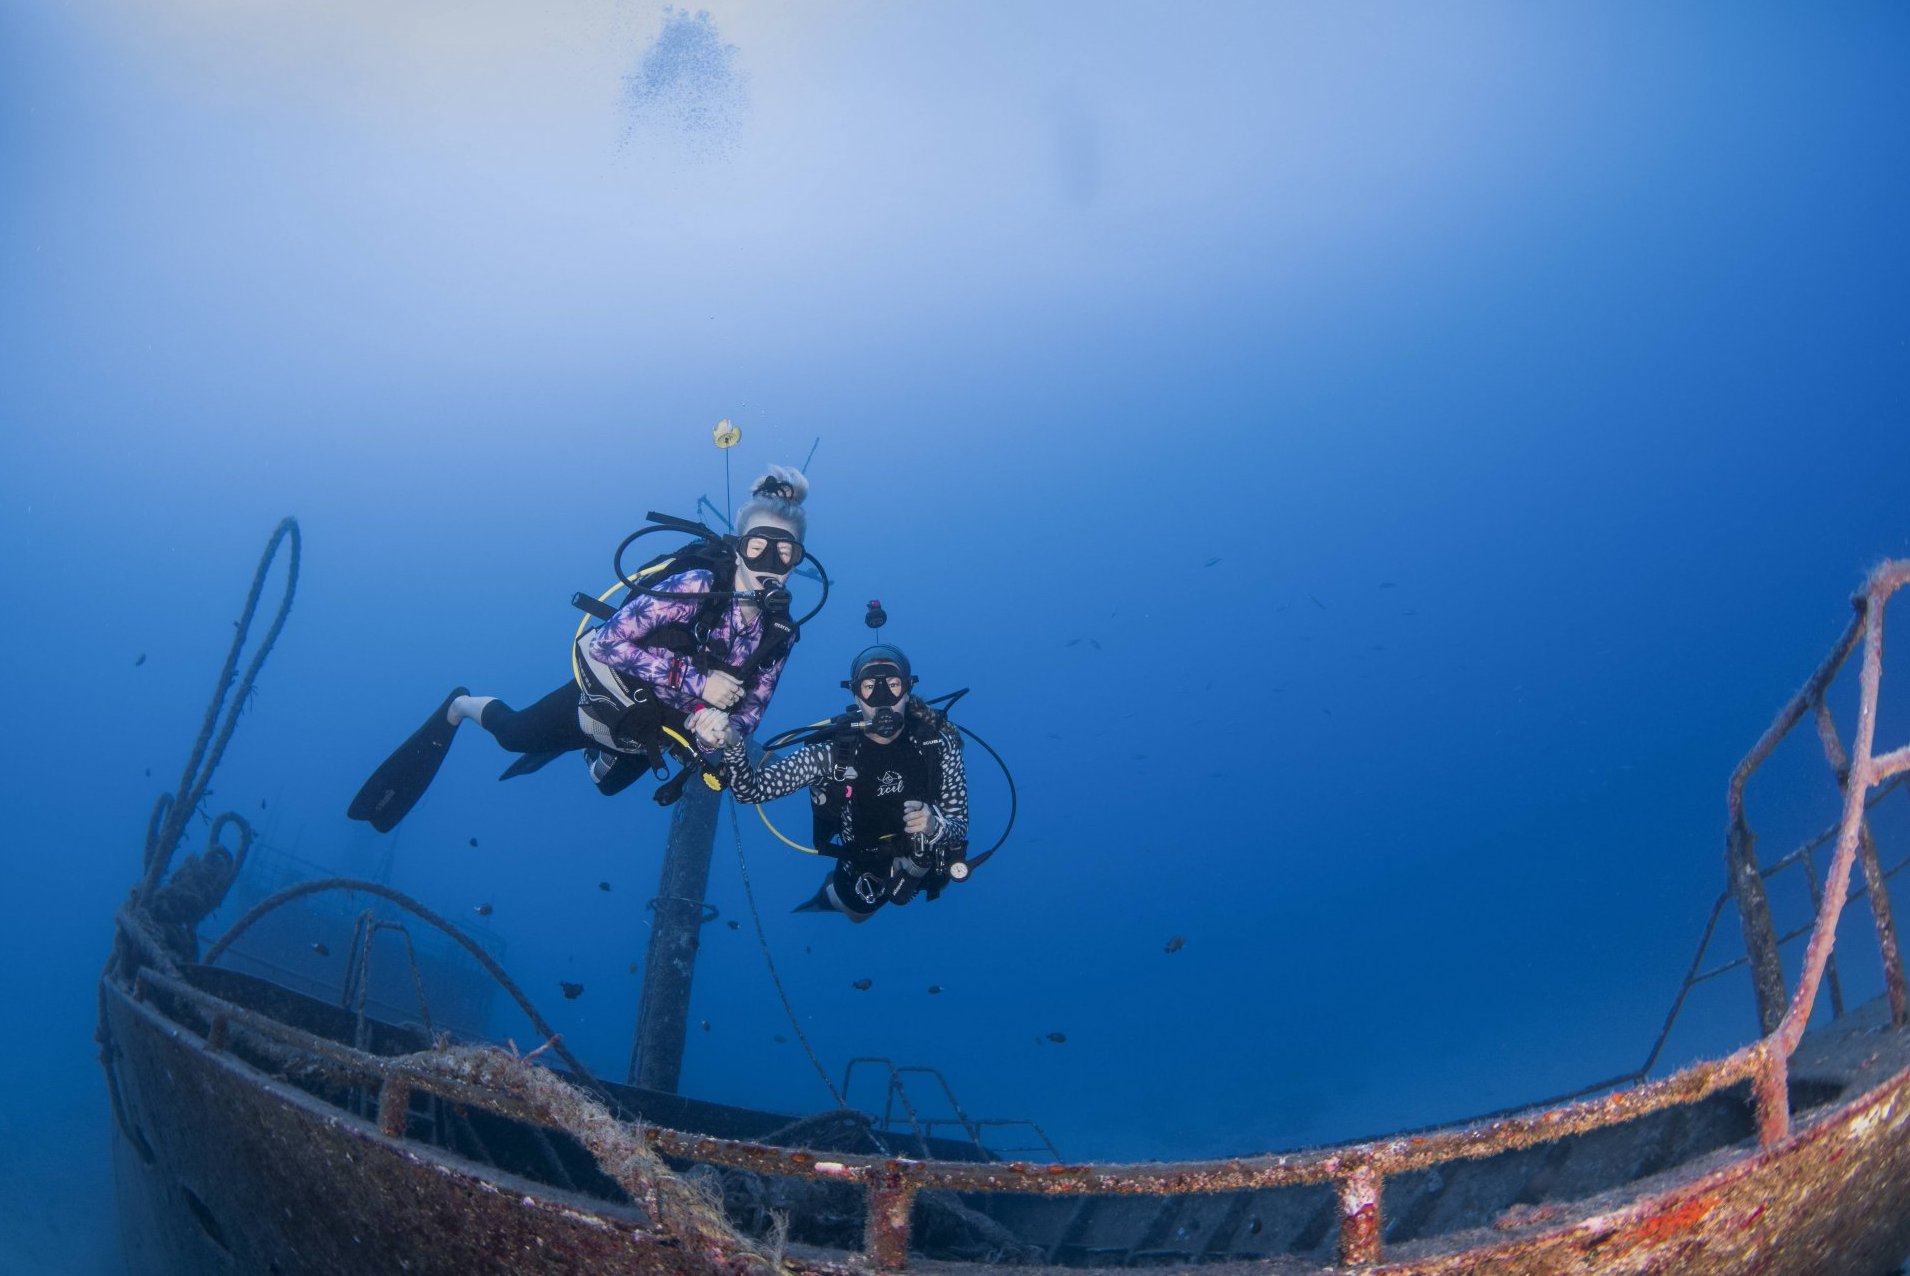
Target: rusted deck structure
x,y
262,1133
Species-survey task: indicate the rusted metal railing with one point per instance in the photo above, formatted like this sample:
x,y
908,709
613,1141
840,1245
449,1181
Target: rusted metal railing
x,y
1865,771
1357,1172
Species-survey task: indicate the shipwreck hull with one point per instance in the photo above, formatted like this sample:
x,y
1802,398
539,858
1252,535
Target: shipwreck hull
x,y
224,1169
1833,1199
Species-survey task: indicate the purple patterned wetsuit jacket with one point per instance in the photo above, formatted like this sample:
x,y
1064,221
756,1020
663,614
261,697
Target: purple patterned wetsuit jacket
x,y
675,678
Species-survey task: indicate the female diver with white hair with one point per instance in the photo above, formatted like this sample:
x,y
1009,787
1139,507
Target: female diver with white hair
x,y
888,789
666,656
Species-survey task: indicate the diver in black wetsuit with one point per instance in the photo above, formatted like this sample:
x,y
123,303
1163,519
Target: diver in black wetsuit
x,y
889,791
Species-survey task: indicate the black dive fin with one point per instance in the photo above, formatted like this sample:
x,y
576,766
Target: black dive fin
x,y
528,763
817,903
401,779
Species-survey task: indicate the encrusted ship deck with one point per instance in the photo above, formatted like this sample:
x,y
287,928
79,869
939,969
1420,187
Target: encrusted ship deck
x,y
263,1131
253,1146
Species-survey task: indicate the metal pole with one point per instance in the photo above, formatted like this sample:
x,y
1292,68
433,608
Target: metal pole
x,y
663,1015
1760,935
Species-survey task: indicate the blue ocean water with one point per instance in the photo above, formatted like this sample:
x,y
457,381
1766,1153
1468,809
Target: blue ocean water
x,y
1378,471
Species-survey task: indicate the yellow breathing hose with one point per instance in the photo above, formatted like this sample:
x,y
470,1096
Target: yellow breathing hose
x,y
771,825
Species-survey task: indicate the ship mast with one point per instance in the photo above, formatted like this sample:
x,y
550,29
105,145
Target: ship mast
x,y
663,1014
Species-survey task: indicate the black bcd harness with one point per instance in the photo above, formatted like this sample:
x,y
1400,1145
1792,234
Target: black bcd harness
x,y
846,749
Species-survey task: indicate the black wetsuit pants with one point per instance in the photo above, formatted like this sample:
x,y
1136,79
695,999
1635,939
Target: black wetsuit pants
x,y
549,726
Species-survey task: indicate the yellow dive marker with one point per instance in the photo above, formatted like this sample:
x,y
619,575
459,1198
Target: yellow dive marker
x,y
728,434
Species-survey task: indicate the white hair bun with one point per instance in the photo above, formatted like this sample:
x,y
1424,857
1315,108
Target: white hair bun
x,y
783,482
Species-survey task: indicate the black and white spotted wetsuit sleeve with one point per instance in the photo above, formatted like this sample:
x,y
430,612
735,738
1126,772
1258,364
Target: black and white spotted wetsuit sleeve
x,y
954,803
806,766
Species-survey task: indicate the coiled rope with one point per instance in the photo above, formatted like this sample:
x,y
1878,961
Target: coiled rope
x,y
170,813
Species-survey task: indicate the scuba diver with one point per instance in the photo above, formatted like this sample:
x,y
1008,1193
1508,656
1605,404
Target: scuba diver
x,y
887,785
707,640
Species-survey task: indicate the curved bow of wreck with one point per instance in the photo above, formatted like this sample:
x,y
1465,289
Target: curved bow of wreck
x,y
260,1130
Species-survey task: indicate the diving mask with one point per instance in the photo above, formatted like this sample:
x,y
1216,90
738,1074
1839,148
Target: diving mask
x,y
880,686
769,550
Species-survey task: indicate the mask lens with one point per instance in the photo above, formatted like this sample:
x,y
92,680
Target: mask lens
x,y
880,693
769,551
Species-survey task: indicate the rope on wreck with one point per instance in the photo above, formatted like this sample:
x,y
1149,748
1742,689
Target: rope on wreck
x,y
762,938
170,813
418,910
680,1206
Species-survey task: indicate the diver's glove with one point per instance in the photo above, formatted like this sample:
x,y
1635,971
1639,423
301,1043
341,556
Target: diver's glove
x,y
924,821
721,690
712,729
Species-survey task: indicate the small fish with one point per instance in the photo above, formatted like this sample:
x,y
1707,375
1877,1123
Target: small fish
x,y
261,804
781,1040
1094,644
933,989
474,841
1328,712
149,773
633,967
1254,1225
733,924
142,660
1072,642
1410,611
1140,757
571,991
706,1025
863,985
1175,944
1386,584
1317,603
808,951
603,886
1059,1038
321,950
1210,562
484,909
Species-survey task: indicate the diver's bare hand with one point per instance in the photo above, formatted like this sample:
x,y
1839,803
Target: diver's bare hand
x,y
712,728
721,690
919,818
